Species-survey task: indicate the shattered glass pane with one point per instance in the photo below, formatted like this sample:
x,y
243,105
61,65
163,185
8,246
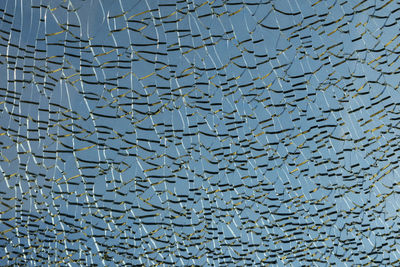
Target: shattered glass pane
x,y
249,132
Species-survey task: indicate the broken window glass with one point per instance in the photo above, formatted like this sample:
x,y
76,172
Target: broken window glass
x,y
249,132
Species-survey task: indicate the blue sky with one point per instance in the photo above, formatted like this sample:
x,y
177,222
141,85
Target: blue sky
x,y
205,133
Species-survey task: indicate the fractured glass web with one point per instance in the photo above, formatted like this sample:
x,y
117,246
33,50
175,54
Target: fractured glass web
x,y
199,132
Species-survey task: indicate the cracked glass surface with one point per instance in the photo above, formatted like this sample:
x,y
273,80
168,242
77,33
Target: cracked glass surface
x,y
199,132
